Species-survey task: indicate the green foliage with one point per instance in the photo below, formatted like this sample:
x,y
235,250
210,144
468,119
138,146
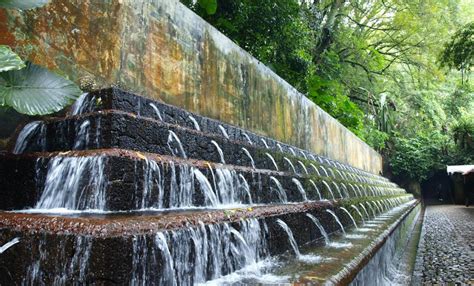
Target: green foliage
x,y
375,138
209,5
36,91
22,4
458,53
419,156
9,60
463,132
329,95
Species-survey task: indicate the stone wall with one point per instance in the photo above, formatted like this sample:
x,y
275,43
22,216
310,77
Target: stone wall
x,y
164,51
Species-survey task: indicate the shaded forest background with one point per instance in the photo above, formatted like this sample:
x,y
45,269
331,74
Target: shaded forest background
x,y
397,73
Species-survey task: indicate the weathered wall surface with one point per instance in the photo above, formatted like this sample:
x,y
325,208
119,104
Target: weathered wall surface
x,y
162,50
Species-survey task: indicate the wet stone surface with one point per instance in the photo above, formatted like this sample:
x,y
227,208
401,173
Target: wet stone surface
x,y
446,251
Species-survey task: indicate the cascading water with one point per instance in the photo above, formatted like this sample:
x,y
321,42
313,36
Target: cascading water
x,y
219,150
320,228
206,188
195,123
300,188
291,238
224,132
280,191
82,138
337,220
32,131
350,216
172,137
75,183
304,167
316,189
250,156
328,188
273,160
157,111
291,164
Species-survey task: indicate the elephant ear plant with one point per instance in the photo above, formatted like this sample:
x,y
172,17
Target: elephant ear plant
x,y
26,87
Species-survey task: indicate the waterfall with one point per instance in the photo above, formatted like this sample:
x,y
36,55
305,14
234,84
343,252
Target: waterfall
x,y
291,238
337,220
219,150
291,164
264,143
250,156
181,194
329,189
300,188
316,188
82,136
206,188
81,105
152,178
273,160
303,166
72,268
197,253
320,228
74,183
173,137
224,132
195,123
350,216
280,191
32,131
157,111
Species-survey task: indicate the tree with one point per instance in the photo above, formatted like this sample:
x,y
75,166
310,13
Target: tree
x,y
458,53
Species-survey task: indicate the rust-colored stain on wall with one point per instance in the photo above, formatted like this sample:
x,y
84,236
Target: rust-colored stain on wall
x,y
162,50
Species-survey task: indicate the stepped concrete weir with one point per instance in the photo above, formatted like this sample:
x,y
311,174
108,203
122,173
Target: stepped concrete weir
x,y
213,171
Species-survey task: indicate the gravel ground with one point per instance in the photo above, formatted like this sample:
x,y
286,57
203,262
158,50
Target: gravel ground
x,y
446,249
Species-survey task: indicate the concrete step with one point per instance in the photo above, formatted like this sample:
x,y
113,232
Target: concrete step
x,y
116,129
116,179
125,248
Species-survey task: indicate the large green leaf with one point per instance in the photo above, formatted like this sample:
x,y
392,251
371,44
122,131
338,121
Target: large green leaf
x,y
36,91
9,60
22,4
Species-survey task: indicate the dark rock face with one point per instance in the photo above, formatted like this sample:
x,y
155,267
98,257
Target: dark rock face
x,y
151,189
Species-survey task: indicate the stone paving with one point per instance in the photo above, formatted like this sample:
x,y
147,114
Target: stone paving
x,y
446,249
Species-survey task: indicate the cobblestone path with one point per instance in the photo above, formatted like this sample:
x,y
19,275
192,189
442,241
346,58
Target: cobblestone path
x,y
446,249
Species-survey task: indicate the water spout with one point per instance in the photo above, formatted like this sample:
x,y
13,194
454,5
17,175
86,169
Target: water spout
x,y
316,188
280,191
206,188
291,238
264,143
273,160
27,133
350,215
224,132
291,164
9,244
248,138
329,189
195,123
157,111
359,213
300,188
315,169
337,220
173,137
320,228
303,166
219,150
250,156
